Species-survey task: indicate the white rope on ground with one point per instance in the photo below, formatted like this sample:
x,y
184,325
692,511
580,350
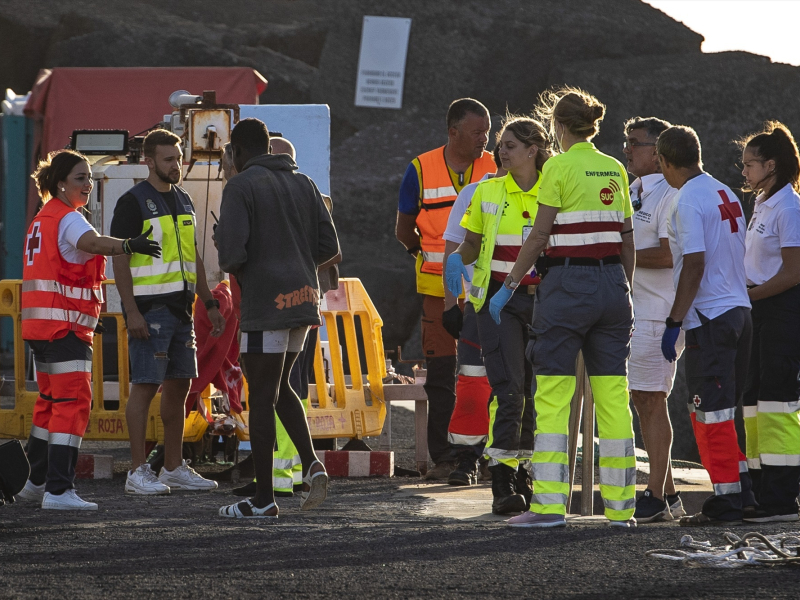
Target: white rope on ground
x,y
754,549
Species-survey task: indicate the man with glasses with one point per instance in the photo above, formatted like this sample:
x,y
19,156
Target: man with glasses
x,y
650,375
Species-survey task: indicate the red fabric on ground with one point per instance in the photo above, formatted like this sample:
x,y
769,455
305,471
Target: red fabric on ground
x,y
217,358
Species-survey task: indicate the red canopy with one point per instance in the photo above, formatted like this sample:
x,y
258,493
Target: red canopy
x,y
65,99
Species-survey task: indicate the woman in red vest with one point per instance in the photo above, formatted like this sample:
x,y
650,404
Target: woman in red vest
x,y
63,267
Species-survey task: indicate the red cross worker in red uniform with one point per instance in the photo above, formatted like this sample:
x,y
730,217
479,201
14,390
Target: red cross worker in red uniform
x,y
63,267
707,239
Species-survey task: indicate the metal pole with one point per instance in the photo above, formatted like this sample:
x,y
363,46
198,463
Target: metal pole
x,y
576,407
587,483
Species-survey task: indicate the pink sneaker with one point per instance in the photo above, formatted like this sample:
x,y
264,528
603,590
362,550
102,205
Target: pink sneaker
x,y
532,519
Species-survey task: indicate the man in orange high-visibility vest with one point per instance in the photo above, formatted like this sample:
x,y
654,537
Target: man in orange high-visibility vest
x,y
429,189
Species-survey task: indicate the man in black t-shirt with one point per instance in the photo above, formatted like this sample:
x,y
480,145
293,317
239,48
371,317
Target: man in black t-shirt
x,y
157,297
128,221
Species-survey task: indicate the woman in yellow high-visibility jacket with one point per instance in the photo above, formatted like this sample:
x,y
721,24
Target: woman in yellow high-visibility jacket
x,y
497,221
583,303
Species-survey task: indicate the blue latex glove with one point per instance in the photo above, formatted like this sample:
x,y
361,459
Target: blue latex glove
x,y
453,273
668,343
498,301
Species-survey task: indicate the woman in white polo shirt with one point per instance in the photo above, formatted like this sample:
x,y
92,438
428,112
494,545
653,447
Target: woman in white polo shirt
x,y
772,265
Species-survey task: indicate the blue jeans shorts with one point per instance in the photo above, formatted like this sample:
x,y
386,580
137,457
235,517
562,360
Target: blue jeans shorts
x,y
169,353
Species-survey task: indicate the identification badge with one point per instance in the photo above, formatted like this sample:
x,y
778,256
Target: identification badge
x,y
526,231
187,222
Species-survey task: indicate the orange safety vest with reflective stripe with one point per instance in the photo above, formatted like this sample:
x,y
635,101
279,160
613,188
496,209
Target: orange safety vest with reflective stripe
x,y
438,196
57,296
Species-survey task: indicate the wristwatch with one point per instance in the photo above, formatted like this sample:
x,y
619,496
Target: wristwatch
x,y
671,323
510,283
212,303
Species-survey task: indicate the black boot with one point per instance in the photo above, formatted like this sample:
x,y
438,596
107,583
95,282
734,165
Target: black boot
x,y
506,500
466,471
524,484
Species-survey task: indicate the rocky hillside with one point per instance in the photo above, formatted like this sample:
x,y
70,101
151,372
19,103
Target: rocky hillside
x,y
633,57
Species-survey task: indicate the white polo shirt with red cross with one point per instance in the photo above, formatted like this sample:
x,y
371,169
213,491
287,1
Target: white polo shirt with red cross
x,y
708,218
775,224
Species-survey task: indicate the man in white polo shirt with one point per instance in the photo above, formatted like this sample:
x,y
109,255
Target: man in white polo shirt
x,y
650,375
707,238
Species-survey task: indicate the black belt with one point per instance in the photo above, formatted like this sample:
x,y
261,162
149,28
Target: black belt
x,y
561,261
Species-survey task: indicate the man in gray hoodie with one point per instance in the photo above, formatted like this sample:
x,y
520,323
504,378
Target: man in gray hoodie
x,y
274,230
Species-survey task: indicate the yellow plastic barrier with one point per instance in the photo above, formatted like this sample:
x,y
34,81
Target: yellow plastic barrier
x,y
103,424
340,408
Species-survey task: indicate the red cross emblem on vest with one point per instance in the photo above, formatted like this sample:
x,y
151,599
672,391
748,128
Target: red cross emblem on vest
x,y
34,243
696,400
730,211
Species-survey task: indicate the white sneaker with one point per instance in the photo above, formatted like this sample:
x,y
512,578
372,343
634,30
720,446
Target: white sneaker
x,y
31,492
185,478
69,500
144,482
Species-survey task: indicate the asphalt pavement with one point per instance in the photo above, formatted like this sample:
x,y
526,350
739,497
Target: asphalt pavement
x,y
372,538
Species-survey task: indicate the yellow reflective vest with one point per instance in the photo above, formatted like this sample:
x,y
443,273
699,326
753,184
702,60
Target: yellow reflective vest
x,y
176,269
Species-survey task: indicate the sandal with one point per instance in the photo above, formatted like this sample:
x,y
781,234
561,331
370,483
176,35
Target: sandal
x,y
317,488
247,510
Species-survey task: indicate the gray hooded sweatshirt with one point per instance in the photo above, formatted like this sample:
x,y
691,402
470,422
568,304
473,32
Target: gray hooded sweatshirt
x,y
274,229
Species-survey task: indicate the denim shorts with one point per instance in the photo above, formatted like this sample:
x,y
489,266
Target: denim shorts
x,y
169,353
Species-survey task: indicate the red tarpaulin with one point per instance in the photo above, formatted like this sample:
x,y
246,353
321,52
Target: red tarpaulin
x,y
65,99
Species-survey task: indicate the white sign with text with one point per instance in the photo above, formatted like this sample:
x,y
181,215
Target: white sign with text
x,y
382,62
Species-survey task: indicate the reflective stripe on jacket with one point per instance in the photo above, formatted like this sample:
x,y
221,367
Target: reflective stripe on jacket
x,y
591,191
57,296
176,269
493,201
438,196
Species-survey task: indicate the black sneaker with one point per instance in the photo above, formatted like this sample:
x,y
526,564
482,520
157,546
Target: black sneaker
x,y
650,509
764,515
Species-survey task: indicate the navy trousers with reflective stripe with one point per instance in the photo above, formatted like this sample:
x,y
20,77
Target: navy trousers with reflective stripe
x,y
717,354
510,374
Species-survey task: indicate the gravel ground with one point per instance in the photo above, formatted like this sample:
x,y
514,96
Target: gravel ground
x,y
368,541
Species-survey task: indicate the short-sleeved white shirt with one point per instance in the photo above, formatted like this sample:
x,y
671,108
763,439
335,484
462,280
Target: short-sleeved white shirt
x,y
454,232
775,224
708,218
653,289
70,230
